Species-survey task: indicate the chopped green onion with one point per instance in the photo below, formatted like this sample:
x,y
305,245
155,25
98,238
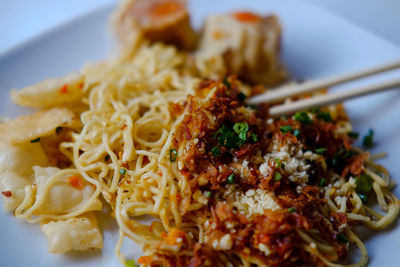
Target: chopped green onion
x,y
226,82
278,163
228,138
292,209
320,151
130,263
315,110
284,118
35,140
325,116
322,115
364,184
240,127
286,128
344,154
254,137
122,171
335,161
222,130
243,136
207,194
241,97
215,151
277,176
322,183
303,117
252,106
363,198
296,132
173,154
341,238
231,179
368,139
353,135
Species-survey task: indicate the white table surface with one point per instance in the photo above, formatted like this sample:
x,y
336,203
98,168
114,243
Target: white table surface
x,y
21,20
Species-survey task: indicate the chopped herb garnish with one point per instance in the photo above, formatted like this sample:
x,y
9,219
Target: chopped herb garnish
x,y
254,137
322,115
303,117
277,176
368,139
35,140
322,183
241,97
284,118
240,127
320,151
341,155
173,154
130,263
228,138
215,151
344,153
233,139
278,162
231,179
364,184
353,135
243,136
292,209
122,171
341,238
296,132
286,129
363,198
315,110
252,106
59,129
226,82
207,194
325,116
224,129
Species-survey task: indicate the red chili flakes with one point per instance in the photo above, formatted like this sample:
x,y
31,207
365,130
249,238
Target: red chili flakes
x,y
7,193
64,89
80,85
76,182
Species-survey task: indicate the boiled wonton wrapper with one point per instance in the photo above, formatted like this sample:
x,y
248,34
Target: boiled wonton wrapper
x,y
16,162
13,184
21,158
51,92
80,233
57,196
42,123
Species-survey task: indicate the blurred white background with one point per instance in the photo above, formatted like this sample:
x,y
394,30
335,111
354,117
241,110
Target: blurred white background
x,y
20,20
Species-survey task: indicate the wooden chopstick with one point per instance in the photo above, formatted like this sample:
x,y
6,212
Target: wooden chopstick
x,y
311,86
327,99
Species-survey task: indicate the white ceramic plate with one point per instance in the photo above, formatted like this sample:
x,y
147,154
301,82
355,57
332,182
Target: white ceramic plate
x,y
315,44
